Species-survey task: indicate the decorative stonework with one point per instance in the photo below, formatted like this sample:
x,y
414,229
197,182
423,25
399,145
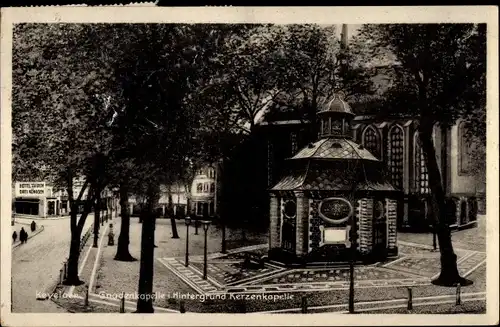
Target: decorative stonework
x,y
391,216
364,223
314,223
301,222
274,216
458,216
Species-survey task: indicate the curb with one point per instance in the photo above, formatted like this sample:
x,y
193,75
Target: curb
x,y
41,229
52,288
40,218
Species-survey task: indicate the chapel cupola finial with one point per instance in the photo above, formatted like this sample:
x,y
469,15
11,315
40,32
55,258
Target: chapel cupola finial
x,y
335,116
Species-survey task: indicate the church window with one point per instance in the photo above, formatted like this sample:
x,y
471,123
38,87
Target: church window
x,y
421,177
371,141
199,188
396,156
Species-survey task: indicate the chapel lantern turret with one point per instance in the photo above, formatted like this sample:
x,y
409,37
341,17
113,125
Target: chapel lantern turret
x,y
334,118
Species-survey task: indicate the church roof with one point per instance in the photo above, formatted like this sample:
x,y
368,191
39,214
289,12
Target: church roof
x,y
336,149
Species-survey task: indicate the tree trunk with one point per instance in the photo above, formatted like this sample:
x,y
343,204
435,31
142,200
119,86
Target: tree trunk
x,y
74,252
145,301
122,251
449,275
97,217
171,214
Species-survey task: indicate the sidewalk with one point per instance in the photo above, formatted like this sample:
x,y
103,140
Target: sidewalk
x,y
30,218
17,227
470,239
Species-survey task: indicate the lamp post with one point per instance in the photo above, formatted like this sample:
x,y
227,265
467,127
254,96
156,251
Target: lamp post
x,y
351,264
205,224
188,222
223,247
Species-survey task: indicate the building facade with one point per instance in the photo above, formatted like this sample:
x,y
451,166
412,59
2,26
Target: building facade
x,y
43,200
172,196
203,192
35,199
395,142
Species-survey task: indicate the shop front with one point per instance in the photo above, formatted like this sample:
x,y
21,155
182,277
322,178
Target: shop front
x,y
34,199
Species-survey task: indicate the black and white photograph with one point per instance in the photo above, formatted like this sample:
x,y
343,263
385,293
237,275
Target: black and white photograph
x,y
291,168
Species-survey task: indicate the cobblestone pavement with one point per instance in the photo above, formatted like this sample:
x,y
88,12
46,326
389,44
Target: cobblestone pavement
x,y
417,265
472,238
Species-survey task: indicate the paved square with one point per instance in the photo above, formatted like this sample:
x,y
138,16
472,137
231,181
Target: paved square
x,y
417,265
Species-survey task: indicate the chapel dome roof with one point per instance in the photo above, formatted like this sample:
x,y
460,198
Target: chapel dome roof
x,y
335,149
336,104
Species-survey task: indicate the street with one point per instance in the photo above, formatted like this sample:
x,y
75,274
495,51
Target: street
x,y
36,264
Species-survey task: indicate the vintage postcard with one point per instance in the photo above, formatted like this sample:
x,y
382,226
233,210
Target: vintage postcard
x,y
249,166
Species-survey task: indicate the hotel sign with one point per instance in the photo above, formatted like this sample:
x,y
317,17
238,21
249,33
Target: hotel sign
x,y
30,189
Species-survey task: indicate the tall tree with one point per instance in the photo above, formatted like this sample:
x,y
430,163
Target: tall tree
x,y
157,76
439,77
313,64
59,75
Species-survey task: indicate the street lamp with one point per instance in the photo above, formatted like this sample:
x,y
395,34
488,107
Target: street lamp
x,y
351,264
188,222
205,224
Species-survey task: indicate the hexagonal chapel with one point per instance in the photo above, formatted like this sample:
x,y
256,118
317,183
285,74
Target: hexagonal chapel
x,y
334,193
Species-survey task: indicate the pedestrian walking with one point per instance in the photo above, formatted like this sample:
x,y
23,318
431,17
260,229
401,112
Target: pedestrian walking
x,y
23,236
14,237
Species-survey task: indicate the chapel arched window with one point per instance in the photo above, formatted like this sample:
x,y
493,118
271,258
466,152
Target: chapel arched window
x,y
212,187
199,188
396,156
421,176
371,141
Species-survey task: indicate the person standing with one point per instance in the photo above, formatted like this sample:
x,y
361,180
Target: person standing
x,y
14,237
23,236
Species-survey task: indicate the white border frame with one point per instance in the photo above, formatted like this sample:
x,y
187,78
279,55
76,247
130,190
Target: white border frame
x,y
280,15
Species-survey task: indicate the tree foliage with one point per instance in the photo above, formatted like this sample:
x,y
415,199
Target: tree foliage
x,y
439,77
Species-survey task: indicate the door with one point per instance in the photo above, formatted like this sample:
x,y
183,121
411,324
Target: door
x,y
379,229
288,236
463,213
205,210
51,209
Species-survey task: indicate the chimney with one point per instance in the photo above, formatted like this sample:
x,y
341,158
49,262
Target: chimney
x,y
343,36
